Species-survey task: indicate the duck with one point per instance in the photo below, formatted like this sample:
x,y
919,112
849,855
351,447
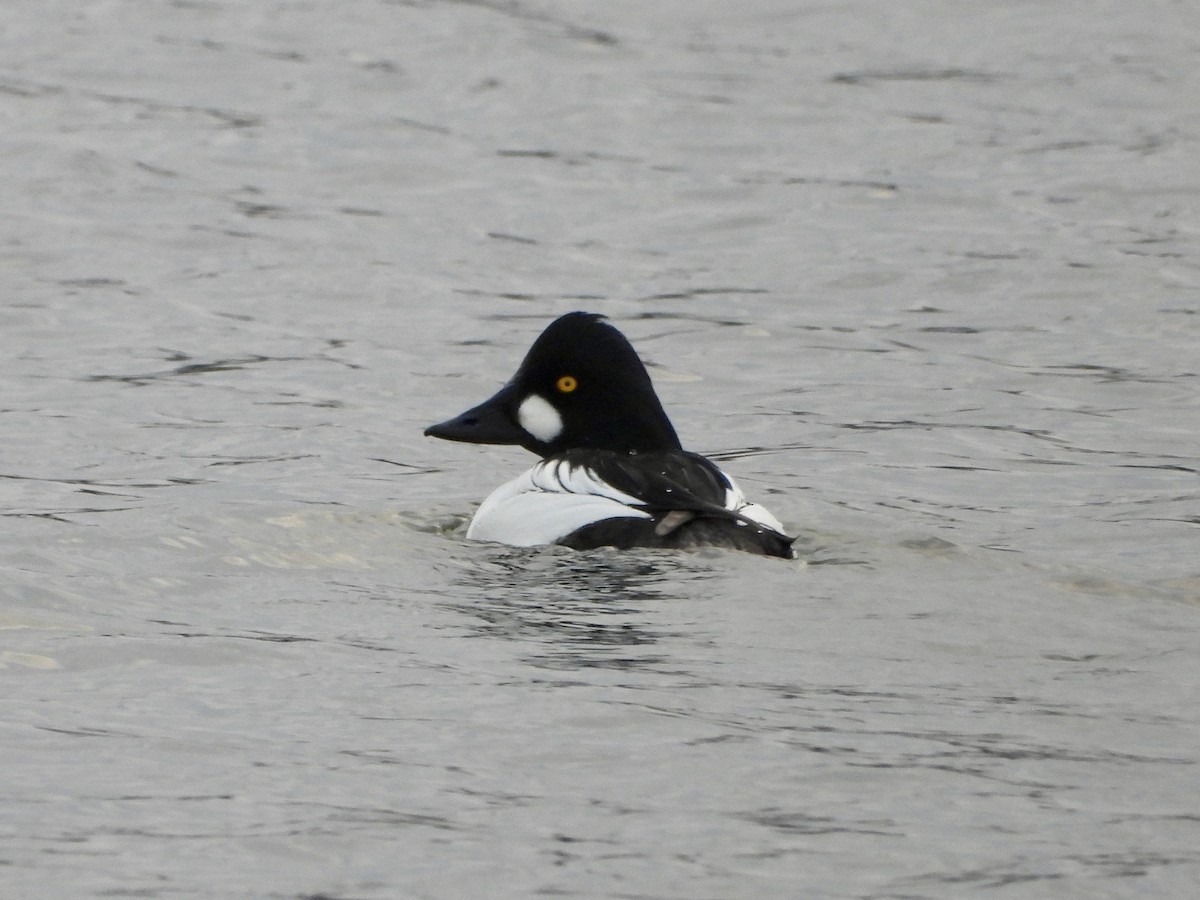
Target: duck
x,y
612,471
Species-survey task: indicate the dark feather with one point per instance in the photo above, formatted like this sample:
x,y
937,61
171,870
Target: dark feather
x,y
685,495
625,534
662,480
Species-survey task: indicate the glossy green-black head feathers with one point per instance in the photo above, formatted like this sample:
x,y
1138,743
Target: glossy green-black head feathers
x,y
580,385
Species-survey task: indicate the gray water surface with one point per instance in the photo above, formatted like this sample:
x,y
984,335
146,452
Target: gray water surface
x,y
923,276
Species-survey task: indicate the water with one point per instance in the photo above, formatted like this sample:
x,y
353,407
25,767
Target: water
x,y
925,281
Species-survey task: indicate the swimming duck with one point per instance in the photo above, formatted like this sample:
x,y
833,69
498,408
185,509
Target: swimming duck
x,y
613,473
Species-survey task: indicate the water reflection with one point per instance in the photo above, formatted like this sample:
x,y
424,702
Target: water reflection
x,y
593,609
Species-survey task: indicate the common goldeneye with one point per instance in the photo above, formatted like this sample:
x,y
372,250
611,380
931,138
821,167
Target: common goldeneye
x,y
613,473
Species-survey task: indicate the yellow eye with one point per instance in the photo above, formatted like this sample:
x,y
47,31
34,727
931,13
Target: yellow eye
x,y
566,384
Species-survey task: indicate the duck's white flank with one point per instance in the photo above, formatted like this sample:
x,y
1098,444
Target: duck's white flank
x,y
554,498
546,503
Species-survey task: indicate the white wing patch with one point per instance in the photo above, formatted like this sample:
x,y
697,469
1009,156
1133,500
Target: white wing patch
x,y
735,500
559,476
546,503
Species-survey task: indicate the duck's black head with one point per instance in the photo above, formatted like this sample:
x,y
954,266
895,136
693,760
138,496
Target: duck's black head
x,y
580,385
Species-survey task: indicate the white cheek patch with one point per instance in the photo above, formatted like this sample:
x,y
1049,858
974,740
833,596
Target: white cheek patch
x,y
539,418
